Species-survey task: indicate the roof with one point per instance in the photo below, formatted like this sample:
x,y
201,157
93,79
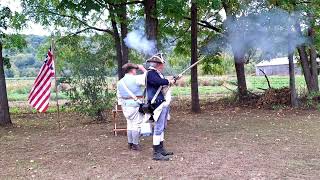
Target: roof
x,y
276,61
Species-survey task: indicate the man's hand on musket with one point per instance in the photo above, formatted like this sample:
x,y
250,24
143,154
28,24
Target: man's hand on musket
x,y
141,67
177,77
172,81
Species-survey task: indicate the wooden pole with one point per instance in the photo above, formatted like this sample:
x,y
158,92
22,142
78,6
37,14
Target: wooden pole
x,y
56,83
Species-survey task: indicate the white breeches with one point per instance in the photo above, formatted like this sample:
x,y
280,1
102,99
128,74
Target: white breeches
x,y
133,117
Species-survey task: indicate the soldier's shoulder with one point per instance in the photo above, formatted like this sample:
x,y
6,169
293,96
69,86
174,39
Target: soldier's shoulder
x,y
152,72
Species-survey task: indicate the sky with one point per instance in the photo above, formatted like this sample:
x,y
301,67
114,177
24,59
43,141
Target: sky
x,y
32,28
36,28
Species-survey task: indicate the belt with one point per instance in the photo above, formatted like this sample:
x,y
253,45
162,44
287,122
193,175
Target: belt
x,y
139,97
159,101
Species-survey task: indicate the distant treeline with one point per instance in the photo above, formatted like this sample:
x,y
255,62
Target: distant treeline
x,y
25,63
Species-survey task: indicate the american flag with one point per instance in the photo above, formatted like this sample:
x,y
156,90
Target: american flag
x,y
40,93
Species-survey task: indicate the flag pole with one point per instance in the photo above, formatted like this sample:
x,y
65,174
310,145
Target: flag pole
x,y
56,81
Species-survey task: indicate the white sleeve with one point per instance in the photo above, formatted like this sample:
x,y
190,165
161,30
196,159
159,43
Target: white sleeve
x,y
140,79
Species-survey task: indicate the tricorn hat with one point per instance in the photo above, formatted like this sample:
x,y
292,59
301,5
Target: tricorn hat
x,y
128,66
158,58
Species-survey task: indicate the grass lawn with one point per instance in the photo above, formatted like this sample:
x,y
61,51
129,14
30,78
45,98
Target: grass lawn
x,y
18,90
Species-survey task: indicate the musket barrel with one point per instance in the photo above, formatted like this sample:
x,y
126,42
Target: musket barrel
x,y
191,66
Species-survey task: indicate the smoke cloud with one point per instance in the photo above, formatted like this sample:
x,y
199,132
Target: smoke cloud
x,y
138,41
269,32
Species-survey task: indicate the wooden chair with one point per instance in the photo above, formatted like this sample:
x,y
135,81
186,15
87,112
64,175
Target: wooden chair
x,y
117,129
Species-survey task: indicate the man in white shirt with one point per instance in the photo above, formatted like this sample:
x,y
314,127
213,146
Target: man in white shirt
x,y
130,91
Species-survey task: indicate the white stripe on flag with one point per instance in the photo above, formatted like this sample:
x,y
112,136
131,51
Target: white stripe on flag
x,y
39,96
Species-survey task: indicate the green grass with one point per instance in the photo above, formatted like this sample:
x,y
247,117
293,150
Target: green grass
x,y
27,109
255,82
203,90
18,90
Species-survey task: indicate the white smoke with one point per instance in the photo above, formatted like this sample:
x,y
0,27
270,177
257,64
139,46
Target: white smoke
x,y
269,32
138,41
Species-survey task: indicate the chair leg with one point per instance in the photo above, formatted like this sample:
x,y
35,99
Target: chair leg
x,y
114,124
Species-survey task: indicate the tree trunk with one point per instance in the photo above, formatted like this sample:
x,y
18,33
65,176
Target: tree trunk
x,y
4,106
238,54
292,82
313,61
293,93
241,77
151,24
195,106
309,69
124,31
117,42
305,67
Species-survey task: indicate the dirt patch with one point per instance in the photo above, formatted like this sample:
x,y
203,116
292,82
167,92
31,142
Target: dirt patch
x,y
219,143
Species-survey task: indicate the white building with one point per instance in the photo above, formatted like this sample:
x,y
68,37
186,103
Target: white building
x,y
277,66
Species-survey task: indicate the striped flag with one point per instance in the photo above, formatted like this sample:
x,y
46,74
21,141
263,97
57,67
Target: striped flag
x,y
40,93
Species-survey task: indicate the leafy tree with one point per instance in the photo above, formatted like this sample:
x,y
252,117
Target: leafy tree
x,y
177,22
213,65
86,16
89,60
7,19
309,13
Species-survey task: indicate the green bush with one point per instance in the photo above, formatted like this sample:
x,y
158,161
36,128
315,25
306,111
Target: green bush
x,y
89,64
90,95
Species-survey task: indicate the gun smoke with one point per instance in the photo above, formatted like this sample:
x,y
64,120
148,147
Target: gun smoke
x,y
138,41
270,33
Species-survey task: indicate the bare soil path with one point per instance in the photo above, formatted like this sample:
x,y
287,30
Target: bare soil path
x,y
219,143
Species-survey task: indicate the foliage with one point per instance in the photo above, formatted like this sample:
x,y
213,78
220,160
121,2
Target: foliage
x,y
24,63
308,13
90,94
313,99
212,65
8,19
90,61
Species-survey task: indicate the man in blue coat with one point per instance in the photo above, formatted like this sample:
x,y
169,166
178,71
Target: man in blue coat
x,y
156,83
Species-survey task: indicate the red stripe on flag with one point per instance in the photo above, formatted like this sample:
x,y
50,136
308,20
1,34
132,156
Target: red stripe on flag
x,y
38,98
38,89
43,102
45,108
40,93
36,85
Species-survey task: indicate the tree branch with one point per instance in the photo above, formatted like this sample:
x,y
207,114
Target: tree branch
x,y
79,20
118,4
72,34
180,36
206,25
126,3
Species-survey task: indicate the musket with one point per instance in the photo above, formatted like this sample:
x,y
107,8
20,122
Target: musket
x,y
191,66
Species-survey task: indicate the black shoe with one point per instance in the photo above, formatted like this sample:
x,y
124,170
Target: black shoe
x,y
130,146
136,147
164,151
157,154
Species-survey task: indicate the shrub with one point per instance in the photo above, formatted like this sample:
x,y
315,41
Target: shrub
x,y
90,94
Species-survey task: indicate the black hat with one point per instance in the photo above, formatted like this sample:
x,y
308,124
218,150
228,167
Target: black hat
x,y
128,66
158,58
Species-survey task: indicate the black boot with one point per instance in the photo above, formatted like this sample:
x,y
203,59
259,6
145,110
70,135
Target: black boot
x,y
130,146
157,154
164,151
136,147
